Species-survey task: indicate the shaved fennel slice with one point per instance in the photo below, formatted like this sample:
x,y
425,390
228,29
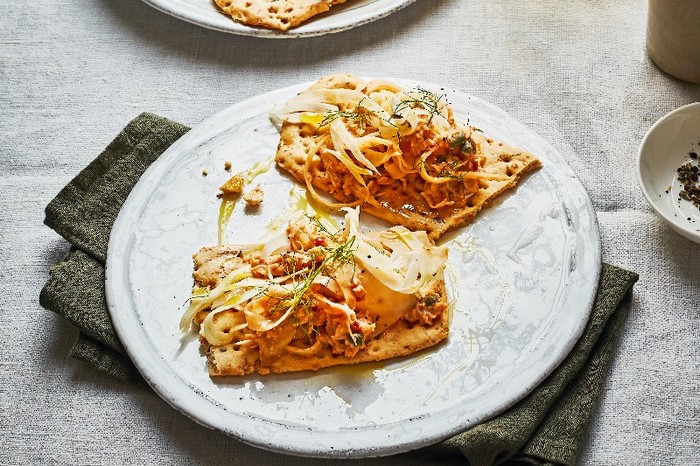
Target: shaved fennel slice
x,y
376,109
368,144
406,272
275,244
259,323
283,111
355,171
427,176
197,304
342,140
338,96
316,101
413,118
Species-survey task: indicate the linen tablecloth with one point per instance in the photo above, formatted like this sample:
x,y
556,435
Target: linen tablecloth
x,y
73,73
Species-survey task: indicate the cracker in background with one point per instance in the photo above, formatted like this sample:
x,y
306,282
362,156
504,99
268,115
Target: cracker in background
x,y
275,14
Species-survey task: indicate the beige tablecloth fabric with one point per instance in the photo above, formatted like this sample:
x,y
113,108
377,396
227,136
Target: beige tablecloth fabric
x,y
72,74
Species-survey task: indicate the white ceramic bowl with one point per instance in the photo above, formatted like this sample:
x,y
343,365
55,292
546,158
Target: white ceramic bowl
x,y
666,147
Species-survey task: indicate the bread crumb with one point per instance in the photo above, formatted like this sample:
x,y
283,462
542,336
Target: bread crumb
x,y
254,197
227,166
233,186
205,172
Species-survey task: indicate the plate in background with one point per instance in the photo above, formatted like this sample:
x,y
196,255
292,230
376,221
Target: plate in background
x,y
523,277
339,18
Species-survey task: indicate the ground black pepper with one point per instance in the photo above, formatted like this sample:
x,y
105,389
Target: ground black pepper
x,y
689,176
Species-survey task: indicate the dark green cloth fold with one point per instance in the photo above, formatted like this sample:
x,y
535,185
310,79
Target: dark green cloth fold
x,y
547,427
550,425
83,213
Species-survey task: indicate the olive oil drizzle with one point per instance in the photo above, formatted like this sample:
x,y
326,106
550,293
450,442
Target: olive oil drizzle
x,y
229,201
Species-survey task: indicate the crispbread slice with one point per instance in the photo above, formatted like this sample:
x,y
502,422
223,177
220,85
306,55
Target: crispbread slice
x,y
503,166
275,14
403,338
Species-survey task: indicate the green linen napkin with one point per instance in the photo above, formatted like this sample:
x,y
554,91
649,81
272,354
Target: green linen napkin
x,y
83,213
547,427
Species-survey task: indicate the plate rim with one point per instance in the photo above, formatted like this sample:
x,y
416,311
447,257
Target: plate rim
x,y
304,30
123,332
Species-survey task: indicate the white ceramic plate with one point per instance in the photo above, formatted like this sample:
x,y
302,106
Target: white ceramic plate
x,y
666,147
523,278
339,18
